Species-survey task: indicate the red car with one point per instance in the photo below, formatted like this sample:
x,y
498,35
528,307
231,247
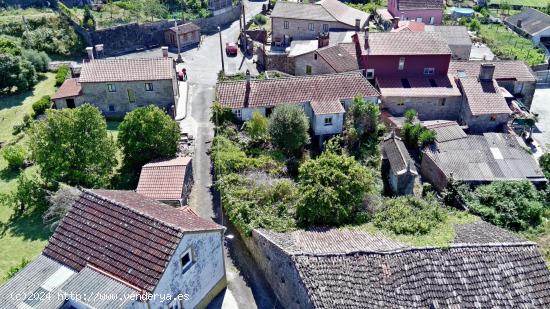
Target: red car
x,y
231,49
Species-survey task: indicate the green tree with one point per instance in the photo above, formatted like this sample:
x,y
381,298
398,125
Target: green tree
x,y
8,46
257,126
409,215
16,72
515,205
475,25
39,60
30,194
410,115
288,128
544,162
426,137
88,20
147,133
221,115
15,155
332,189
154,8
72,146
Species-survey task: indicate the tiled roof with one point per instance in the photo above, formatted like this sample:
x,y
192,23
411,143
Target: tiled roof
x,y
501,276
323,89
405,43
341,57
121,70
409,25
344,13
384,14
483,97
124,234
391,86
306,11
506,69
445,130
487,157
532,21
163,180
454,35
69,88
186,28
397,154
405,5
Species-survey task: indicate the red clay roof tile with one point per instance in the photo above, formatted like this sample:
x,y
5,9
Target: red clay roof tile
x,y
70,88
165,179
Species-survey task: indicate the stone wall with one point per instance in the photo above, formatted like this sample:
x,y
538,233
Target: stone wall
x,y
279,270
24,3
210,24
299,29
275,61
427,108
318,65
434,175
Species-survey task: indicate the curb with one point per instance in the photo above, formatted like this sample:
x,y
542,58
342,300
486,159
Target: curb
x,y
186,103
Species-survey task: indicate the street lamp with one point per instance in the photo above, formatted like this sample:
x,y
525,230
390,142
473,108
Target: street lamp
x,y
221,49
178,41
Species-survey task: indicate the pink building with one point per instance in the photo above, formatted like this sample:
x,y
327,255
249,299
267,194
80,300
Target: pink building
x,y
429,12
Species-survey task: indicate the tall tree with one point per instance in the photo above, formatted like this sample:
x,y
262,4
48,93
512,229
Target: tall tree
x,y
288,128
72,146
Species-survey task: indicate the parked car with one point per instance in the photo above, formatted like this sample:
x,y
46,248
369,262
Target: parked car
x,y
231,49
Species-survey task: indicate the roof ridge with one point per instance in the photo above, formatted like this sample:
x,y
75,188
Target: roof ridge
x,y
97,195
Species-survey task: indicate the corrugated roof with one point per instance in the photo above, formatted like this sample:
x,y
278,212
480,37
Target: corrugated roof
x,y
397,155
532,21
322,89
121,70
445,130
454,35
163,179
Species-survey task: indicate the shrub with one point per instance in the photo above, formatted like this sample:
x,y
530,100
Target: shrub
x,y
15,155
544,162
73,146
61,75
515,205
39,60
88,19
410,115
8,46
409,215
332,188
148,133
30,194
20,127
259,201
228,158
426,137
12,271
41,105
257,126
220,114
288,128
475,25
260,19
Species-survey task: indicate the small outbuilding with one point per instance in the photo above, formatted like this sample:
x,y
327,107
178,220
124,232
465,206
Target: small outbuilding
x,y
167,181
402,171
531,23
189,34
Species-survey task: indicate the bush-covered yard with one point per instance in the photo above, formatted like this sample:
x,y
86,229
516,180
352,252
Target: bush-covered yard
x,y
530,3
508,45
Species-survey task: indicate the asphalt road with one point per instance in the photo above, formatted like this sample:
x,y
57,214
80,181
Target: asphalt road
x,y
541,106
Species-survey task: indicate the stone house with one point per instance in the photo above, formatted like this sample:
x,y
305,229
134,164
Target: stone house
x,y
168,181
323,97
402,170
305,21
188,33
120,249
515,76
118,86
482,266
429,12
531,23
338,58
478,159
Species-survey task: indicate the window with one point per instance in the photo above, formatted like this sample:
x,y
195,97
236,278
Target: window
x,y
238,114
370,73
429,71
493,118
315,56
401,63
442,102
111,88
111,108
432,20
131,96
419,19
285,24
401,103
328,121
308,70
148,86
325,27
311,27
186,260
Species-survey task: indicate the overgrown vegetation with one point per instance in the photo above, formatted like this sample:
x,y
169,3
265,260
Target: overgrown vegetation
x,y
288,128
41,105
15,155
414,134
61,75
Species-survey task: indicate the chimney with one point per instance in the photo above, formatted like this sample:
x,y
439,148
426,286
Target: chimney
x,y
357,24
518,23
395,22
99,50
322,40
367,38
90,51
247,91
486,71
164,51
247,80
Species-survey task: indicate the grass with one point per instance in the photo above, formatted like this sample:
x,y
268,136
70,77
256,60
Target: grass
x,y
441,236
12,14
13,108
508,45
530,3
541,235
266,26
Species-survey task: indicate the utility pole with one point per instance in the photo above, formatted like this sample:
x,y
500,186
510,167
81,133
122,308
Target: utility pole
x,y
179,60
221,49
